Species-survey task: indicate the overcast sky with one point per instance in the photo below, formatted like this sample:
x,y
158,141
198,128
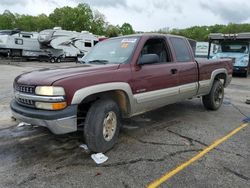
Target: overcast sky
x,y
147,15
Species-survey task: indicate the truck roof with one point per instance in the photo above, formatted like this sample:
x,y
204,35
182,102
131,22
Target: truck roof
x,y
236,36
151,34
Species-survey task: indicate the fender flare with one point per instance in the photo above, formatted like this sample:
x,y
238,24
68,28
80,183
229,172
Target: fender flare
x,y
217,72
81,94
206,85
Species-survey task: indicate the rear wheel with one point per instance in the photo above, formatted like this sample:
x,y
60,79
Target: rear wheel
x,y
58,60
52,60
214,99
102,125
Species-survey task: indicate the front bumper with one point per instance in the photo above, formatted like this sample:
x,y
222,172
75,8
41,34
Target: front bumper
x,y
240,70
58,122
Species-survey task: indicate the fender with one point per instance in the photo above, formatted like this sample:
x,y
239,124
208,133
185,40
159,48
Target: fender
x,y
206,85
219,71
81,94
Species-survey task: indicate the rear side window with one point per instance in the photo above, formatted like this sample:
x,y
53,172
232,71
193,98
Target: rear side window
x,y
88,44
26,36
181,49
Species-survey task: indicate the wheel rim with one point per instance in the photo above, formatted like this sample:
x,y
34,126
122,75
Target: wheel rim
x,y
109,126
218,96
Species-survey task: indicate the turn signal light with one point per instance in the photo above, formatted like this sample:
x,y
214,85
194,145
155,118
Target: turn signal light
x,y
59,105
51,106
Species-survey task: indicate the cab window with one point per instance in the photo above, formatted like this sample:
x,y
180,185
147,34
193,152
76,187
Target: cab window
x,y
158,47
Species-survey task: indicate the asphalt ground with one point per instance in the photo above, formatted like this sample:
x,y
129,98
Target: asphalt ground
x,y
149,146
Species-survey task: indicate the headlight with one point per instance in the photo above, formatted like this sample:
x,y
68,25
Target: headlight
x,y
49,90
244,62
51,106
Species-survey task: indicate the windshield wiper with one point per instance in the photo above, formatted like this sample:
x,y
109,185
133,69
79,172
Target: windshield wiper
x,y
99,61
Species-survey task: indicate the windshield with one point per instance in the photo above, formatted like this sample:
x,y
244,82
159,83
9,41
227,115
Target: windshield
x,y
233,48
113,51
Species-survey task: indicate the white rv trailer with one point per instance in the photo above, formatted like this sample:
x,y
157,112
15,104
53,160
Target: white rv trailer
x,y
16,43
66,44
202,50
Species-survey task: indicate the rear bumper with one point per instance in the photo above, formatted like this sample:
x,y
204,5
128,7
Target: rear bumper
x,y
58,122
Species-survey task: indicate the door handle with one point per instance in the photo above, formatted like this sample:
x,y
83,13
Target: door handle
x,y
174,71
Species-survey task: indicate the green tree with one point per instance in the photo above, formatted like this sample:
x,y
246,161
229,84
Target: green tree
x,y
78,18
25,22
98,23
112,31
7,20
126,29
42,22
200,33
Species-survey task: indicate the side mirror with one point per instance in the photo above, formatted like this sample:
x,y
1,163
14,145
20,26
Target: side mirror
x,y
149,59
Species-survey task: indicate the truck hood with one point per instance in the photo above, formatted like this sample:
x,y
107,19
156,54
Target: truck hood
x,y
48,76
241,59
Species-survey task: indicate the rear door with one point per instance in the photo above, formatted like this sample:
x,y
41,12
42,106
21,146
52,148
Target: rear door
x,y
187,67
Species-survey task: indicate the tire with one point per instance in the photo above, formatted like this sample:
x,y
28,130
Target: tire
x,y
52,60
58,60
98,137
214,99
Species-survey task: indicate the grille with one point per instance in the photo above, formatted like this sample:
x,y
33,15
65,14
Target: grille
x,y
26,102
25,89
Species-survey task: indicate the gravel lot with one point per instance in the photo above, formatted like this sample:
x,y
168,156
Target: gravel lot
x,y
149,145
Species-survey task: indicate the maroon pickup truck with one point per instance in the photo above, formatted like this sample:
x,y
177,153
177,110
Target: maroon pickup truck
x,y
121,77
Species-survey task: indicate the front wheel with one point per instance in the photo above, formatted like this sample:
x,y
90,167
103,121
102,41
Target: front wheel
x,y
214,99
102,125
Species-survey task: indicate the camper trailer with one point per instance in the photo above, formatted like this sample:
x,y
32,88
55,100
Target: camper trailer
x,y
66,44
202,50
16,43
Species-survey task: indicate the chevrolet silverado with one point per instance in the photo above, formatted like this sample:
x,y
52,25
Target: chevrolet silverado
x,y
119,78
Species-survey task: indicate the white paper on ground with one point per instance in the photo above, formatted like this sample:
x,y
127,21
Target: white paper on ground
x,y
22,124
99,158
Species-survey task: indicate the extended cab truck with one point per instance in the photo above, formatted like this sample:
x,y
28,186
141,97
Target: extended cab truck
x,y
121,77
